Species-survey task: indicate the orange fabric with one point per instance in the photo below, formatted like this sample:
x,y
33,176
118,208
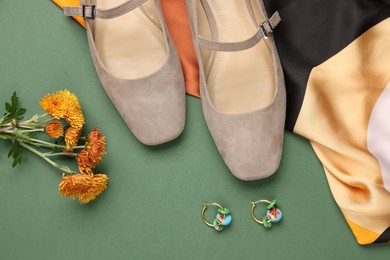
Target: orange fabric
x,y
175,14
363,235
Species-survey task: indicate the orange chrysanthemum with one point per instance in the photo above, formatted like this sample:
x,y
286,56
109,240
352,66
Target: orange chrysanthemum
x,y
75,118
56,104
72,136
74,115
99,184
54,129
64,104
84,187
74,185
95,148
84,162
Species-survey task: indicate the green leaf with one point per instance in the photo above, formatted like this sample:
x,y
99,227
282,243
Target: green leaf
x,y
16,153
14,164
16,150
18,159
12,150
3,136
14,110
15,101
19,113
8,107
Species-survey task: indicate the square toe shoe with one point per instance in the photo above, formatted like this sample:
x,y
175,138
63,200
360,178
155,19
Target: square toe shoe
x,y
241,83
137,64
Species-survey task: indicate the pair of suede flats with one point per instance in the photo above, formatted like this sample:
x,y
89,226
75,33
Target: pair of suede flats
x,y
241,83
137,64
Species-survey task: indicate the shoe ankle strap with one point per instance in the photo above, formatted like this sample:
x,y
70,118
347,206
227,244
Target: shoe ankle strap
x,y
90,12
264,30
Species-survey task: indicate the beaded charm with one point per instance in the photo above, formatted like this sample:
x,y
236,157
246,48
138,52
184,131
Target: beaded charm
x,y
222,219
272,215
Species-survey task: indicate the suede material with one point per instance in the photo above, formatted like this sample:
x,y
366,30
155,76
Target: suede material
x,y
89,11
249,143
243,45
154,106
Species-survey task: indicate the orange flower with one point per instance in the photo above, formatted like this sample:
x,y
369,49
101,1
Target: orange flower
x,y
74,185
84,162
96,145
72,136
99,184
82,186
55,105
95,148
54,129
75,118
73,115
64,104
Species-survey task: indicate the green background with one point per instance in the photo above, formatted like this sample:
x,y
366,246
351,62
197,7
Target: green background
x,y
152,206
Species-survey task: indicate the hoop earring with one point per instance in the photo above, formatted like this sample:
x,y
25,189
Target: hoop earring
x,y
222,219
272,215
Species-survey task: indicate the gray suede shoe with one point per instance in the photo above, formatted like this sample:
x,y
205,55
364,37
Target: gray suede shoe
x,y
242,85
137,65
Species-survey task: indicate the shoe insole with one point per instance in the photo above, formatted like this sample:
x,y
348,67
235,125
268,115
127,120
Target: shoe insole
x,y
131,46
243,81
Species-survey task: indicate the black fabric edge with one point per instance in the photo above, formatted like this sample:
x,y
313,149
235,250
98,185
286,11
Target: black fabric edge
x,y
385,237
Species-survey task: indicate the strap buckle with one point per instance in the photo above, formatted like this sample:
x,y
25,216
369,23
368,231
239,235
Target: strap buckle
x,y
264,31
89,11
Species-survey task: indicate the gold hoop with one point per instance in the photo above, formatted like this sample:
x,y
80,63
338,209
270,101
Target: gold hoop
x,y
204,209
261,222
222,219
272,215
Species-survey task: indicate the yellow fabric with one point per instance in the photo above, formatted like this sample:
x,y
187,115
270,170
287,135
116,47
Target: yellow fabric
x,y
339,98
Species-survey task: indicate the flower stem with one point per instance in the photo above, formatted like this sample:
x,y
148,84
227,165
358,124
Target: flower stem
x,y
31,123
59,154
31,126
49,119
38,142
6,129
32,130
43,156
